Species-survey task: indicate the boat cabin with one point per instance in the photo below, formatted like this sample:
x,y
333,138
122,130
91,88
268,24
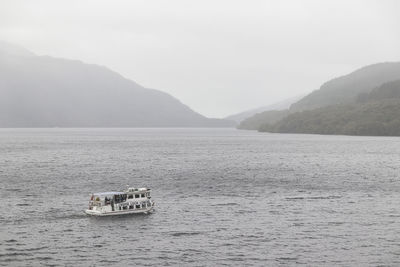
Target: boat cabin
x,y
131,199
133,193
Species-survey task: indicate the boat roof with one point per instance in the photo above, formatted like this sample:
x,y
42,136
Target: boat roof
x,y
134,189
108,193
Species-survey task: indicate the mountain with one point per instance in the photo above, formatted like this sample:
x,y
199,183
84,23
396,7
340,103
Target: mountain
x,y
376,113
7,49
42,91
311,114
259,119
285,104
387,90
346,88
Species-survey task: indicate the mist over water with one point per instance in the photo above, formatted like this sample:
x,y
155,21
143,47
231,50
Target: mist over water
x,y
223,197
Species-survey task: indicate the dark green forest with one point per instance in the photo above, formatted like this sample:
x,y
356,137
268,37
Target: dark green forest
x,y
376,113
364,102
376,118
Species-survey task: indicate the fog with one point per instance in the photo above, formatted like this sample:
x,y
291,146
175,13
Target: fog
x,y
218,57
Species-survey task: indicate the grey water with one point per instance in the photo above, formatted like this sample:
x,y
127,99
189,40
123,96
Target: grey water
x,y
223,197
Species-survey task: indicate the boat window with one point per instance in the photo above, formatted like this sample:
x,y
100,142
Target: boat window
x,y
130,196
142,195
136,196
138,206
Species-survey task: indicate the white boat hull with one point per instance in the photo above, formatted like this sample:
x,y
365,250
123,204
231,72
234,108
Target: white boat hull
x,y
131,201
119,212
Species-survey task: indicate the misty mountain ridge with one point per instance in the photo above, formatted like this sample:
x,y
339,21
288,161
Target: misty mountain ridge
x,y
281,105
43,91
346,88
376,113
8,49
269,116
341,106
389,90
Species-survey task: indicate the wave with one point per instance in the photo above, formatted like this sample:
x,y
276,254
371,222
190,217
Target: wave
x,y
313,197
185,233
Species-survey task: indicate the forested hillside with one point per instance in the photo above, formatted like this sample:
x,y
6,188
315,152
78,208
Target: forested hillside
x,y
376,113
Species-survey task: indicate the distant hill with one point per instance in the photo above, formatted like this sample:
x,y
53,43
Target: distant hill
x,y
259,119
387,90
346,88
340,98
376,113
42,91
285,104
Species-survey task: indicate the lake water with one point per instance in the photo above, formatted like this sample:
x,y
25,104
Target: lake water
x,y
223,197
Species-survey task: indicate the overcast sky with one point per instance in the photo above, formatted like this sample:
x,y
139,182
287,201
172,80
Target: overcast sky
x,y
218,57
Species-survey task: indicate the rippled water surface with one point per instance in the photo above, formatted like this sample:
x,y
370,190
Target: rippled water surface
x,y
223,197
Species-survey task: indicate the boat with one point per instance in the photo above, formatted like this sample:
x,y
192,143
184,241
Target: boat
x,y
131,201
